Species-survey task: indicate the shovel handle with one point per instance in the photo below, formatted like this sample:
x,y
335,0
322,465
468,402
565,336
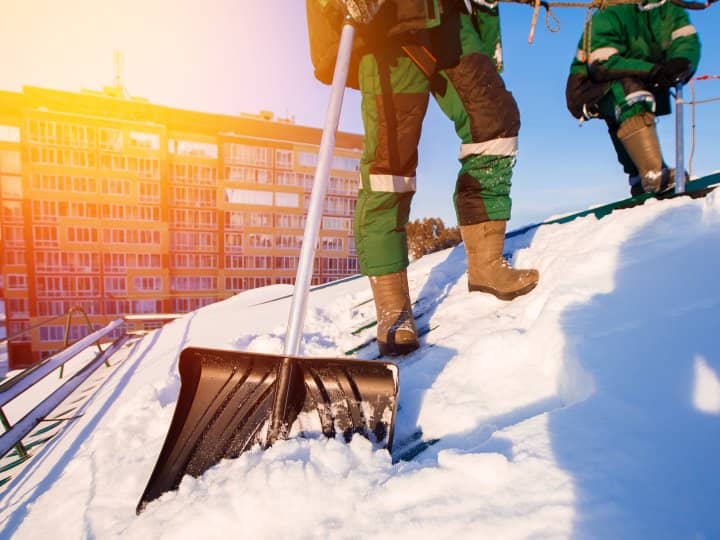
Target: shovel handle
x,y
317,197
298,308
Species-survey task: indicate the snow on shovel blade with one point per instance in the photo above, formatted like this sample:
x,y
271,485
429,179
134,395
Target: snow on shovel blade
x,y
226,401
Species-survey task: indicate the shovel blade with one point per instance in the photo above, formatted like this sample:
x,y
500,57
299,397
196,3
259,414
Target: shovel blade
x,y
226,401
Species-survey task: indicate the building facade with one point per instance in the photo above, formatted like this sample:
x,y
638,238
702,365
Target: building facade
x,y
119,206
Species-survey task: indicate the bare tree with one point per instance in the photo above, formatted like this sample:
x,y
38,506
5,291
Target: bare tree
x,y
428,235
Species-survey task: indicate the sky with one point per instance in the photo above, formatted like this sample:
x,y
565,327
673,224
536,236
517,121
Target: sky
x,y
588,408
232,56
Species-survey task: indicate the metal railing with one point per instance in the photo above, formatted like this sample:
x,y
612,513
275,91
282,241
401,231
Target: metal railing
x,y
14,387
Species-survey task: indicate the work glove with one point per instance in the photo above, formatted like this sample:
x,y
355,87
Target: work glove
x,y
671,73
361,11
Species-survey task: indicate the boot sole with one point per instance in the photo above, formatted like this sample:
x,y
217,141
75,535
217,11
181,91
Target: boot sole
x,y
387,349
502,295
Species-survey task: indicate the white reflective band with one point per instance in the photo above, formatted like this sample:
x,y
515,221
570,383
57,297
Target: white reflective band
x,y
392,183
602,54
496,147
640,95
635,97
580,55
687,30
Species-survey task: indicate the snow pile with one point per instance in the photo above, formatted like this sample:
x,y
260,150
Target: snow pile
x,y
589,408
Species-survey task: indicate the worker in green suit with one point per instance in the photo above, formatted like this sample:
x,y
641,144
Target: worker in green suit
x,y
628,58
407,50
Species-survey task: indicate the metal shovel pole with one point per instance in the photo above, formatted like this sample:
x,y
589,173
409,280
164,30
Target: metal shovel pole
x,y
679,142
303,277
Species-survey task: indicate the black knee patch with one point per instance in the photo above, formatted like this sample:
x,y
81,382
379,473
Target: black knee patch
x,y
470,204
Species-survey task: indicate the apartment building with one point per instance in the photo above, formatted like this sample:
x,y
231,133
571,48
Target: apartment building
x,y
119,206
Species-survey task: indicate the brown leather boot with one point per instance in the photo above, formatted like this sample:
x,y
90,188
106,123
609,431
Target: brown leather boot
x,y
488,271
639,137
396,331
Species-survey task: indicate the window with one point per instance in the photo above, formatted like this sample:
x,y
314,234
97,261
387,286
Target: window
x,y
145,141
143,260
149,192
257,262
194,260
49,308
14,236
9,133
45,236
192,240
242,154
336,224
114,262
14,257
16,282
262,241
12,211
50,286
183,305
82,286
307,159
234,220
258,219
193,148
145,306
343,185
49,182
196,219
290,221
10,162
286,178
283,159
41,131
81,210
305,181
288,241
146,167
291,200
50,333
147,283
233,283
11,187
115,186
82,235
193,174
191,196
247,175
62,156
110,139
332,243
116,285
343,163
245,196
286,263
245,283
233,241
193,283
336,205
117,307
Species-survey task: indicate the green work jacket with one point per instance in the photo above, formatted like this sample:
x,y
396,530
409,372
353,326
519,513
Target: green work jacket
x,y
628,41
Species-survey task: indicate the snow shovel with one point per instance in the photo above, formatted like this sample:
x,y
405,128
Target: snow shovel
x,y
231,400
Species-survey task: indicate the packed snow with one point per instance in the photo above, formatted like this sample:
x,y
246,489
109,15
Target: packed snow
x,y
589,408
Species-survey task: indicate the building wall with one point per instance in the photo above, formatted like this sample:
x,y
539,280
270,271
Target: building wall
x,y
120,206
